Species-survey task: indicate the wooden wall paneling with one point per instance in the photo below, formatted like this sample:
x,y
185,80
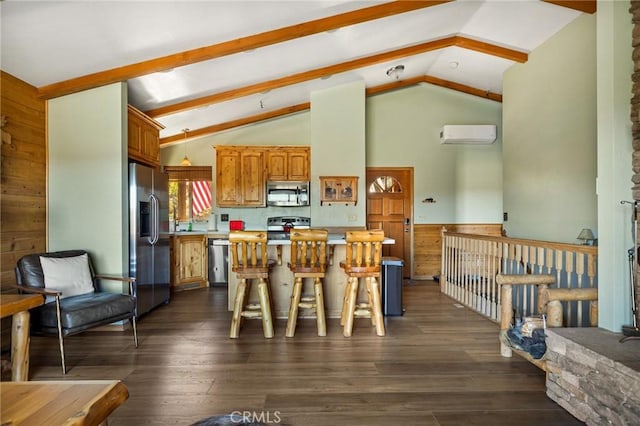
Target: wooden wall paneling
x,y
426,250
23,180
427,246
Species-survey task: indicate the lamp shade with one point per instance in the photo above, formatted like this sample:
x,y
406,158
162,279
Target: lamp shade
x,y
586,234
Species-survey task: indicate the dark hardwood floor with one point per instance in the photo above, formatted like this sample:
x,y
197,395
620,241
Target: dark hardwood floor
x,y
438,365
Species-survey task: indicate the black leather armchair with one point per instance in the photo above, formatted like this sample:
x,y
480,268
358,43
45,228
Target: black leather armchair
x,y
66,316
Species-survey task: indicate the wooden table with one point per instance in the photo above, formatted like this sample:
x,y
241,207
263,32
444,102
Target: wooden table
x,y
82,402
18,305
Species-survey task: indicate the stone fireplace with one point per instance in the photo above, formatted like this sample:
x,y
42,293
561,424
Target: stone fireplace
x,y
594,376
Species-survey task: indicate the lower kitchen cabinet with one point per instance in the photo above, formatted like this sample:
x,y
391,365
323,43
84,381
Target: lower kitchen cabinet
x,y
188,262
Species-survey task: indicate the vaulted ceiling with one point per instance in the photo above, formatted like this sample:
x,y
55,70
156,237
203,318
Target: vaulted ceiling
x,y
208,66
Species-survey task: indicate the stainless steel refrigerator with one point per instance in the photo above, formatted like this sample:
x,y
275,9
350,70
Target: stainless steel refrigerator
x,y
149,236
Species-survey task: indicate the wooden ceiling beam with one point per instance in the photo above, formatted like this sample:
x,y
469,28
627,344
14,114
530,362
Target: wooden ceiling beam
x,y
436,82
586,6
230,47
236,123
305,106
491,49
462,88
404,52
394,85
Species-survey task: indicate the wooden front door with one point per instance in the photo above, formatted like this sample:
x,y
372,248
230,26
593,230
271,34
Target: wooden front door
x,y
390,207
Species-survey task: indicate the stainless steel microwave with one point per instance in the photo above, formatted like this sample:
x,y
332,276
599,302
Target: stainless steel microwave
x,y
287,193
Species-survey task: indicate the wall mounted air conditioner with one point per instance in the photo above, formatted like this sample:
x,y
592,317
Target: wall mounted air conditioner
x,y
474,134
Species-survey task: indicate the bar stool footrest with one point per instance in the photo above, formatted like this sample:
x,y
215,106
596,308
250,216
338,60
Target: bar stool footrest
x,y
362,313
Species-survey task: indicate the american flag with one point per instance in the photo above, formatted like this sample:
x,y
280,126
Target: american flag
x,y
201,196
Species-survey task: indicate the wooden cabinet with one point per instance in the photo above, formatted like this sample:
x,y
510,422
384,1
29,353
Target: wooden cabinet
x,y
240,177
277,165
288,164
188,262
338,190
242,171
143,138
298,164
252,179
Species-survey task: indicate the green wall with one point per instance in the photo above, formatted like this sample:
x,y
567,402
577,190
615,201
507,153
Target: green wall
x,y
338,149
87,188
614,68
549,146
567,146
403,130
398,129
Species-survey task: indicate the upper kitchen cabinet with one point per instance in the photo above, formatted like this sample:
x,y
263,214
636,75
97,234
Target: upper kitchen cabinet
x,y
288,163
240,176
242,171
144,138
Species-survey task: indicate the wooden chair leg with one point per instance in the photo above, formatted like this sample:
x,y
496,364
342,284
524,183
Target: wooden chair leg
x,y
135,330
369,289
265,307
351,306
345,301
60,336
292,320
238,305
320,315
376,307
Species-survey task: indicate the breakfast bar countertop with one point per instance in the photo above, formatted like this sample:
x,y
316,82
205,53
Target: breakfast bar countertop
x,y
208,233
180,233
334,239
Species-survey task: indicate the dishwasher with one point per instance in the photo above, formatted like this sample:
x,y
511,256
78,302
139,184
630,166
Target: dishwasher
x,y
218,262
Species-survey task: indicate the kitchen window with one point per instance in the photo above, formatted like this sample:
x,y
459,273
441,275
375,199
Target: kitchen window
x,y
189,193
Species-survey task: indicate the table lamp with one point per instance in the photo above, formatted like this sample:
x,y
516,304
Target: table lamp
x,y
586,236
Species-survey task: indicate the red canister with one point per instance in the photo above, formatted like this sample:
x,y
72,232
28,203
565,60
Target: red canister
x,y
236,225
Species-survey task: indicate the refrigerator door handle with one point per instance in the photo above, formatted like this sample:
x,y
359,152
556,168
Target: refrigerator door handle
x,y
155,219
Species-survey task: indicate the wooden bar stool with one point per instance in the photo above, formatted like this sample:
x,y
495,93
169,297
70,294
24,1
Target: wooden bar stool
x,y
363,256
308,260
249,262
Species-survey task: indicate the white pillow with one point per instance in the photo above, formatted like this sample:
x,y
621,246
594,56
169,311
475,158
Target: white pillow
x,y
69,275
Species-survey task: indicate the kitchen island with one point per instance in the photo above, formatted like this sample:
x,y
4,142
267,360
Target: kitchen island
x,y
281,278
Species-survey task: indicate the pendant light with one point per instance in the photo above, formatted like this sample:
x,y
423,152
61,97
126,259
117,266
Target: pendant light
x,y
185,161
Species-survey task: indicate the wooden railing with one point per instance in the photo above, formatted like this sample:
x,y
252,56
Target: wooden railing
x,y
550,308
470,264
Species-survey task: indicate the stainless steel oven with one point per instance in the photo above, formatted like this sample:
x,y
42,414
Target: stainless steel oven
x,y
278,227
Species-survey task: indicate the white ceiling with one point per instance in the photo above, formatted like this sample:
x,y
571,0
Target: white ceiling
x,y
46,42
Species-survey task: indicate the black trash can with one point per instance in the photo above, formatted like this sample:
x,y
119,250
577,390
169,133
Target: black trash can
x,y
391,282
